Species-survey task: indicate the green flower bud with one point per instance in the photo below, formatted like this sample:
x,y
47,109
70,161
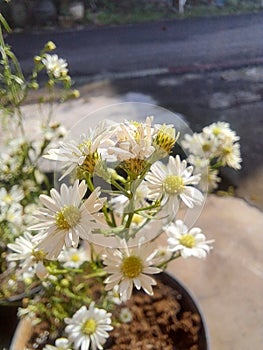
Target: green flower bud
x,y
37,59
50,46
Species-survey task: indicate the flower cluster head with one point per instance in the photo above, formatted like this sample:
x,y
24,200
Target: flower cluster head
x,y
214,147
55,66
139,187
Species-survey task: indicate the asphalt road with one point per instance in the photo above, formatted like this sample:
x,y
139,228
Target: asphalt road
x,y
169,46
144,60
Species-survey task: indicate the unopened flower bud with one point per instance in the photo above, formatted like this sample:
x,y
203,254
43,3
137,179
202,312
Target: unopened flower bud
x,y
50,46
66,78
34,85
75,93
28,281
51,82
54,125
37,59
64,282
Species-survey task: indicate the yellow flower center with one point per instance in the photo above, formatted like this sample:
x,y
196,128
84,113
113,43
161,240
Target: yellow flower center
x,y
137,219
132,266
188,241
226,151
67,217
39,255
165,140
89,163
134,166
173,184
75,258
89,327
8,198
206,147
216,131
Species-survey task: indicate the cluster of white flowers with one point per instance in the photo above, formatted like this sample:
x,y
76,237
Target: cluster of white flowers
x,y
55,65
221,148
22,174
21,183
138,187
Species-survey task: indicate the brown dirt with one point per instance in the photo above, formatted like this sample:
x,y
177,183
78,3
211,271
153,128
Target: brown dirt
x,y
159,322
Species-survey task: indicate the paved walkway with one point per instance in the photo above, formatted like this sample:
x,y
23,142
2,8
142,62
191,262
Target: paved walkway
x,y
229,283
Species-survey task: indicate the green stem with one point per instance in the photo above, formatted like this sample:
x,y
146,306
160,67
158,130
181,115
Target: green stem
x,y
129,221
99,273
113,219
90,183
173,257
153,206
107,217
121,189
216,166
55,271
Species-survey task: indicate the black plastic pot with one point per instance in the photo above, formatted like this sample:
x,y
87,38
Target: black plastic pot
x,y
8,324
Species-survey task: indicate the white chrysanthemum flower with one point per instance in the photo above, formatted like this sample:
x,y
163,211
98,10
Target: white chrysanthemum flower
x,y
202,145
128,267
67,218
192,143
165,137
216,142
14,196
222,131
55,65
73,257
162,255
29,256
133,140
88,328
187,242
209,176
229,154
125,315
68,153
86,153
114,296
209,179
60,344
12,214
173,181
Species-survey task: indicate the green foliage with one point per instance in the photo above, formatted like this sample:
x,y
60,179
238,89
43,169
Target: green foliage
x,y
20,172
64,291
103,12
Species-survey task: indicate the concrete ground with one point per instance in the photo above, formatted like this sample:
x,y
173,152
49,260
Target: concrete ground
x,y
229,284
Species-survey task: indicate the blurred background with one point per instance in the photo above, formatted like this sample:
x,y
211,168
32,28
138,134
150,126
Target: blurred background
x,y
202,59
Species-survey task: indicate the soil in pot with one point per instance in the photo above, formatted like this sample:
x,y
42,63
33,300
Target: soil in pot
x,y
167,320
159,322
